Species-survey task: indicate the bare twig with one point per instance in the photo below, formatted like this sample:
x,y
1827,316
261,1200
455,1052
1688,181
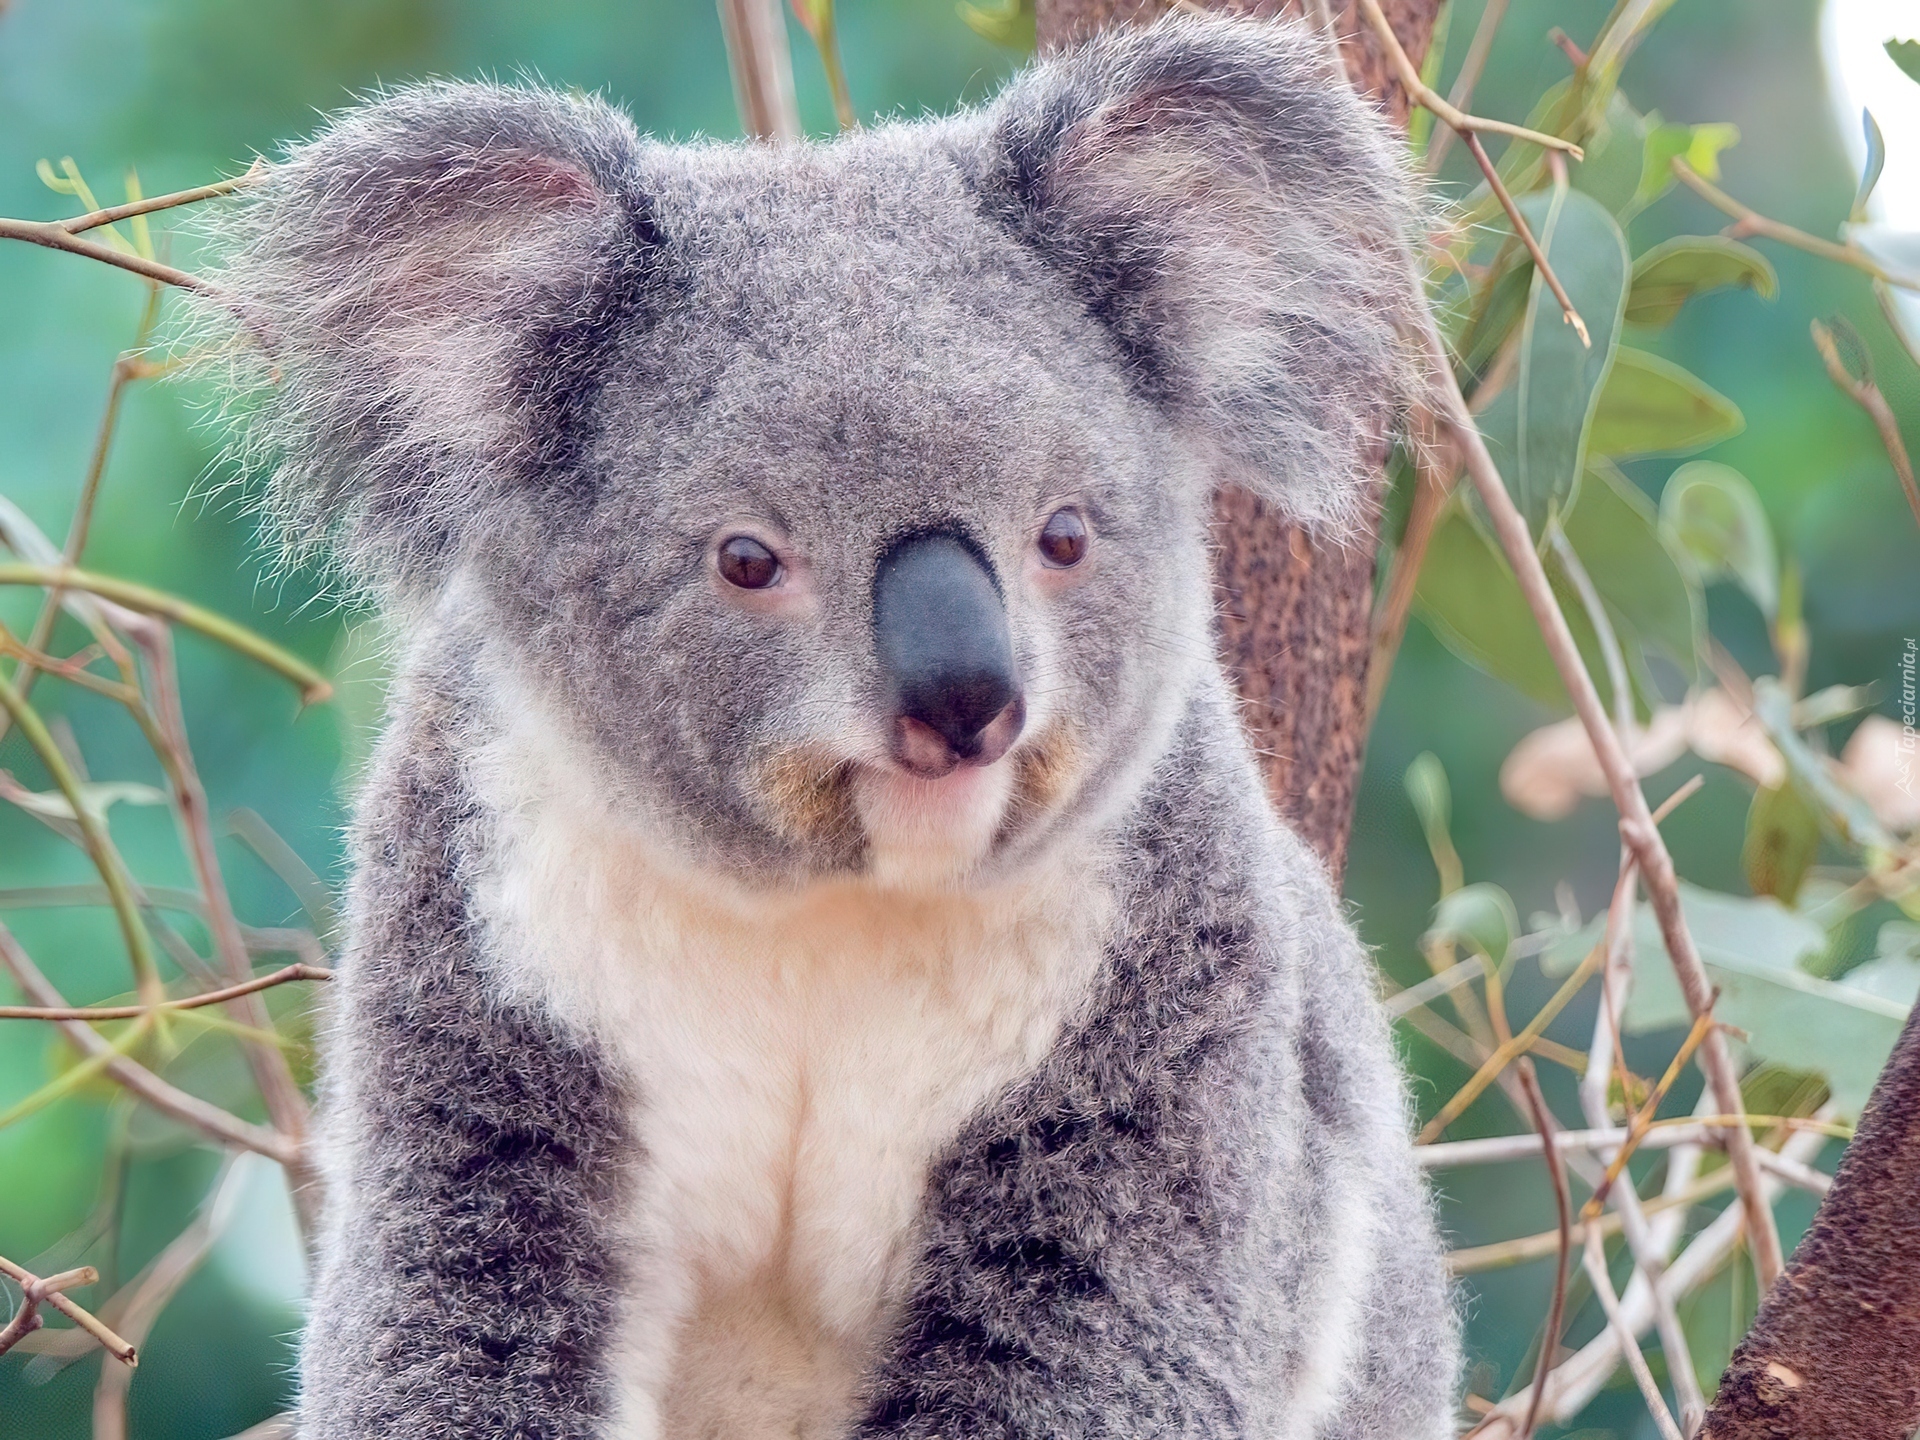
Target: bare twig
x,y
1557,1306
47,1291
150,1291
93,834
66,234
1665,1135
1649,1255
1433,486
1467,126
256,172
762,68
1596,1264
92,1013
1636,820
1510,1050
190,1110
1867,396
314,687
1424,94
1461,96
1748,221
286,1106
55,236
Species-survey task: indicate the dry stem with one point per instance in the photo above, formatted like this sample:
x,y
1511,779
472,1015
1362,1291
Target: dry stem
x,y
1748,221
1557,1306
191,1110
38,1292
91,1013
1867,396
1636,820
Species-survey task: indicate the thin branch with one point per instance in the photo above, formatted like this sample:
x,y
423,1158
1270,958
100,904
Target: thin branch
x,y
1702,1027
256,172
1665,1135
93,1013
149,1293
761,63
1596,1265
47,1291
1636,820
93,834
1422,93
1604,1052
1557,1306
190,1110
1867,396
1475,1259
56,236
1748,221
286,1106
314,687
1433,486
1466,125
1510,1050
1461,96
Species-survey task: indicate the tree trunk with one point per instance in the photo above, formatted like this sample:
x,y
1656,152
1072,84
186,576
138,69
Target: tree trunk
x,y
1835,1351
1294,610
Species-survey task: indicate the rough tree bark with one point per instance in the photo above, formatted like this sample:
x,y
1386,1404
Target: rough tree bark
x,y
1835,1351
1294,609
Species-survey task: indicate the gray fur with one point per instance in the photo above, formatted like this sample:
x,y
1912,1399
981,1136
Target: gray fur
x,y
521,366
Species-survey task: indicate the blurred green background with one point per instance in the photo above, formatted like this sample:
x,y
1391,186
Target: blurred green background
x,y
185,90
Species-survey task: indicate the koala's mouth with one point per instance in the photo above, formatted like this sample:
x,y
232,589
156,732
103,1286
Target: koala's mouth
x,y
891,822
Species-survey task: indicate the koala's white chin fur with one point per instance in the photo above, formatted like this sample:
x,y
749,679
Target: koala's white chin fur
x,y
797,1057
929,834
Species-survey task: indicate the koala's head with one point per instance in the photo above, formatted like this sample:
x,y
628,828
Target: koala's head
x,y
847,501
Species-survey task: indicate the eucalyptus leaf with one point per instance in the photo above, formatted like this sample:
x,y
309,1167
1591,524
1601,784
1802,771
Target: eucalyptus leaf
x,y
1711,512
1468,597
1782,839
1753,950
1537,428
1480,916
1616,152
1666,276
1651,406
1699,145
1875,163
1906,54
1431,795
1653,601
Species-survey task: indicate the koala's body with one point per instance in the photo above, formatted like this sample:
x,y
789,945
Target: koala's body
x,y
823,963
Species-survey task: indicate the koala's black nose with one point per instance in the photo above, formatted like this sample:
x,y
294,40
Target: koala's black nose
x,y
940,628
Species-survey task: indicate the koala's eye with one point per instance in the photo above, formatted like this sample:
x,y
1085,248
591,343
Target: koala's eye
x,y
1063,539
745,562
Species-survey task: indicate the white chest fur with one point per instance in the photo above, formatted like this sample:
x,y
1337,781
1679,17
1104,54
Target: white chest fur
x,y
798,1060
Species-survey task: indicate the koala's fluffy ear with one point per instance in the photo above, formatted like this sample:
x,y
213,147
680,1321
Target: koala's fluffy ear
x,y
1236,216
424,289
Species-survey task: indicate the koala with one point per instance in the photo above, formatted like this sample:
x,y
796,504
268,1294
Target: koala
x,y
822,962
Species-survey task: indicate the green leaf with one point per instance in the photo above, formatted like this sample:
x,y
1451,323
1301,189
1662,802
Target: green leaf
x,y
1480,916
1666,276
1869,172
1753,950
1009,23
1699,144
1431,795
1650,406
1537,428
1616,154
1710,512
1652,600
1783,837
1894,972
1906,54
1468,597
